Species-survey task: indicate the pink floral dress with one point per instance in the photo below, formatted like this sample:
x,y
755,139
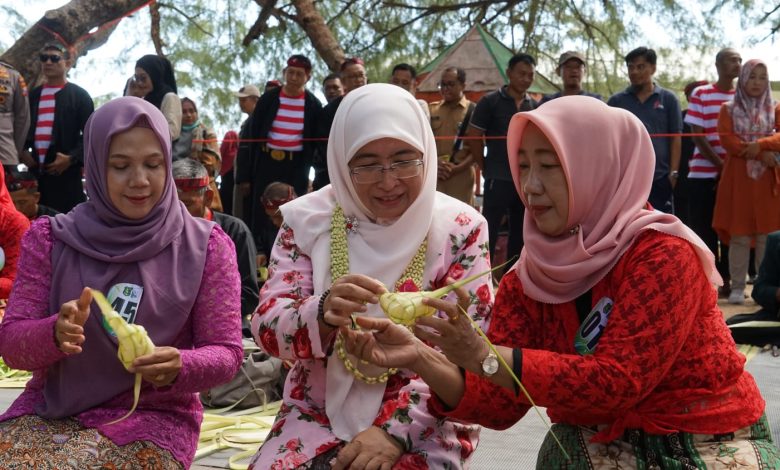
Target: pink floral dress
x,y
286,325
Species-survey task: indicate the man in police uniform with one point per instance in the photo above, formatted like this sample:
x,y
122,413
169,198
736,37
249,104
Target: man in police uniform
x,y
14,115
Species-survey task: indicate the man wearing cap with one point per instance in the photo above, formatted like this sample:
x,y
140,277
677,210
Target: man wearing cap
x,y
14,115
23,188
571,68
353,76
247,100
282,127
659,111
59,111
192,185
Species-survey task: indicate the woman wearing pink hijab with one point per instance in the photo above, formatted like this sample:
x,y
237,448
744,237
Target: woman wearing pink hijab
x,y
160,268
609,319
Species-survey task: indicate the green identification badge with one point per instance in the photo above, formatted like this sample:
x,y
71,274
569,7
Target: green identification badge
x,y
124,299
595,323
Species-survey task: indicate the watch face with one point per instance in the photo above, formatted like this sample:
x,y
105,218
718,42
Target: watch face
x,y
490,364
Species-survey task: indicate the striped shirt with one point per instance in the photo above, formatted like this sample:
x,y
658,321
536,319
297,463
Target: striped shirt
x,y
43,128
703,109
287,129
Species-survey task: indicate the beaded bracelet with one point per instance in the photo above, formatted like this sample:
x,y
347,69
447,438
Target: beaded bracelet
x,y
321,309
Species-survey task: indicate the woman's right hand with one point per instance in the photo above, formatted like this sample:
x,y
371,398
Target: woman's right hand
x,y
349,294
69,327
383,343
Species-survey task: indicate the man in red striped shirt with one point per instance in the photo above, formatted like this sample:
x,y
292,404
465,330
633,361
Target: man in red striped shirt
x,y
59,111
707,161
282,126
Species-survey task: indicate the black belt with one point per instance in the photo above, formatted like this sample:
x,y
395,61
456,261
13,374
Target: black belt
x,y
278,154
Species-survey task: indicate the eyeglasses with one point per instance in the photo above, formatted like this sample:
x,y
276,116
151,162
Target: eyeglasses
x,y
53,58
448,84
375,173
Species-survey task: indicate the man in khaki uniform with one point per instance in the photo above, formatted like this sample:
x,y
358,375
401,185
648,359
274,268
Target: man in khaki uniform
x,y
449,118
14,115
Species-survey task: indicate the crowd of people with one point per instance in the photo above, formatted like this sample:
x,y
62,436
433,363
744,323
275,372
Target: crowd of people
x,y
609,317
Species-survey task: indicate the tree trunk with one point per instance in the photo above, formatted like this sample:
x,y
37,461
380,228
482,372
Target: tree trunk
x,y
322,38
72,23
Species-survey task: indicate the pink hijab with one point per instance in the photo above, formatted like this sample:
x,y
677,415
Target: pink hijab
x,y
609,161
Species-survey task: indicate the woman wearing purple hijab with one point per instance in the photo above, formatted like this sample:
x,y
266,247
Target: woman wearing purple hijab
x,y
160,268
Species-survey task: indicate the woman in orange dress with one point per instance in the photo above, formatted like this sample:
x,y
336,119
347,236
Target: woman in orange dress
x,y
747,206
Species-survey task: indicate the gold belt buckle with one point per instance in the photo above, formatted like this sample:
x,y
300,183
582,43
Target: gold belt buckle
x,y
277,154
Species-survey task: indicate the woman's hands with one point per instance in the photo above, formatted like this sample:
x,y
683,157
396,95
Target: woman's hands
x,y
349,294
454,336
159,368
69,328
752,151
391,345
372,449
388,345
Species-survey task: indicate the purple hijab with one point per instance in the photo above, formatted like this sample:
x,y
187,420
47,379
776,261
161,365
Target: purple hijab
x,y
163,253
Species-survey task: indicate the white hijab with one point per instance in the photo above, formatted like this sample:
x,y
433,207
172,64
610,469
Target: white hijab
x,y
380,251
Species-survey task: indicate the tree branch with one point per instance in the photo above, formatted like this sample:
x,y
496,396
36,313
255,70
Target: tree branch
x,y
267,8
154,13
191,19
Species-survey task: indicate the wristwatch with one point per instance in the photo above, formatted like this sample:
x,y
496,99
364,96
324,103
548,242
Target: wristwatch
x,y
675,174
490,364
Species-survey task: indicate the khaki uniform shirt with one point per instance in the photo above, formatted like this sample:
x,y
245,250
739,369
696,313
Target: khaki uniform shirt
x,y
14,114
445,122
446,119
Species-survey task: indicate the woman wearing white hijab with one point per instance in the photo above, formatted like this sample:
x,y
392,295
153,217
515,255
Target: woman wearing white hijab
x,y
380,223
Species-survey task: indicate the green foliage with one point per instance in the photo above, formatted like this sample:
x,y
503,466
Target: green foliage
x,y
203,39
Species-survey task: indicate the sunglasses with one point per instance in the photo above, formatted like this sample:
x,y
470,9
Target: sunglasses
x,y
51,58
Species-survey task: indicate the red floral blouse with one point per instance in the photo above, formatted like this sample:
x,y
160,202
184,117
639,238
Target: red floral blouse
x,y
665,362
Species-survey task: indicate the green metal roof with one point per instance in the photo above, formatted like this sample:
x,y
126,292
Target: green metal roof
x,y
500,54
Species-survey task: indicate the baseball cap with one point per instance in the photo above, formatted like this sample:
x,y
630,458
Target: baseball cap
x,y
568,55
248,90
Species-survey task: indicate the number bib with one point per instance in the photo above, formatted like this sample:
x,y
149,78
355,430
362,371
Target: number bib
x,y
124,298
595,323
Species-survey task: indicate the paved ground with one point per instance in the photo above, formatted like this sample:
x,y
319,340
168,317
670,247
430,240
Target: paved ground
x,y
516,447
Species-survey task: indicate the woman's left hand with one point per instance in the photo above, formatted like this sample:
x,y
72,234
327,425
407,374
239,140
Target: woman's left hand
x,y
159,368
454,335
372,449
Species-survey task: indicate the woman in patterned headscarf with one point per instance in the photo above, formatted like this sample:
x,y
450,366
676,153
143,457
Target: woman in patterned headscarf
x,y
747,205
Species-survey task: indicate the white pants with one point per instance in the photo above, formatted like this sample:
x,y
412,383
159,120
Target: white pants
x,y
739,257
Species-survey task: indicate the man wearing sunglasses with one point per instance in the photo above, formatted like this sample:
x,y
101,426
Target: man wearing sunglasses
x,y
59,110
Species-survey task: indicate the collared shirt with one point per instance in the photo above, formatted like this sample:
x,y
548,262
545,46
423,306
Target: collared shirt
x,y
492,116
660,113
446,119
